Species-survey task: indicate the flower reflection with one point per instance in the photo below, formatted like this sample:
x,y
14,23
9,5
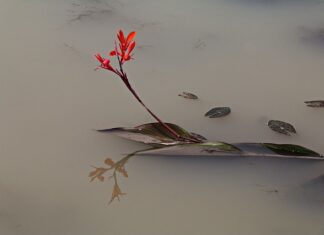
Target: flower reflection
x,y
114,167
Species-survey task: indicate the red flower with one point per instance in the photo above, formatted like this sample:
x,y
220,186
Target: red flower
x,y
126,46
104,63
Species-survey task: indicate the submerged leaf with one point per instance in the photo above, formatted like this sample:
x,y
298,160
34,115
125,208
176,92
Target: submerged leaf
x,y
291,150
220,149
315,103
164,144
188,95
151,133
218,112
198,136
219,146
201,149
281,127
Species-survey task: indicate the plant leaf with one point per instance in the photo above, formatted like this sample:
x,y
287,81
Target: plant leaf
x,y
291,150
219,146
198,136
155,134
188,95
151,133
221,149
218,112
315,103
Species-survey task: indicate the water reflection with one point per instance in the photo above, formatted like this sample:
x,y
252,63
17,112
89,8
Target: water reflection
x,y
308,193
114,167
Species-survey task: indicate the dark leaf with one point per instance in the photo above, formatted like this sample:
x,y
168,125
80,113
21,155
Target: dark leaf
x,y
291,150
218,112
188,95
281,127
150,133
199,137
220,149
204,149
219,146
164,144
315,103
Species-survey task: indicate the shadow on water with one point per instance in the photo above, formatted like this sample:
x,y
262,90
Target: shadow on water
x,y
309,193
312,36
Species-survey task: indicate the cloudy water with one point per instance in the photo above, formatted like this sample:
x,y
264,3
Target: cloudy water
x,y
261,58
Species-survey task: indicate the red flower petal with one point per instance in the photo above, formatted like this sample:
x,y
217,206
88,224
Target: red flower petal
x,y
99,58
127,57
106,63
122,48
121,36
130,37
112,53
131,47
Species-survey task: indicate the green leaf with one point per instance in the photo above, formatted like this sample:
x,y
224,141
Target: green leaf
x,y
219,146
291,150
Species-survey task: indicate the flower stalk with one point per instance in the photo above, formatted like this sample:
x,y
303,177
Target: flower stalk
x,y
123,54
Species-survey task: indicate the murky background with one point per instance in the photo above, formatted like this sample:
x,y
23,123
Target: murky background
x,y
250,55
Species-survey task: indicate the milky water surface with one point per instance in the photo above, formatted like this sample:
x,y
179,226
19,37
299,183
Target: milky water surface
x,y
248,55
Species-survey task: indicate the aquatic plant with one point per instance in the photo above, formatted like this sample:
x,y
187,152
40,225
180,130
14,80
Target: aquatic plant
x,y
170,139
123,54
